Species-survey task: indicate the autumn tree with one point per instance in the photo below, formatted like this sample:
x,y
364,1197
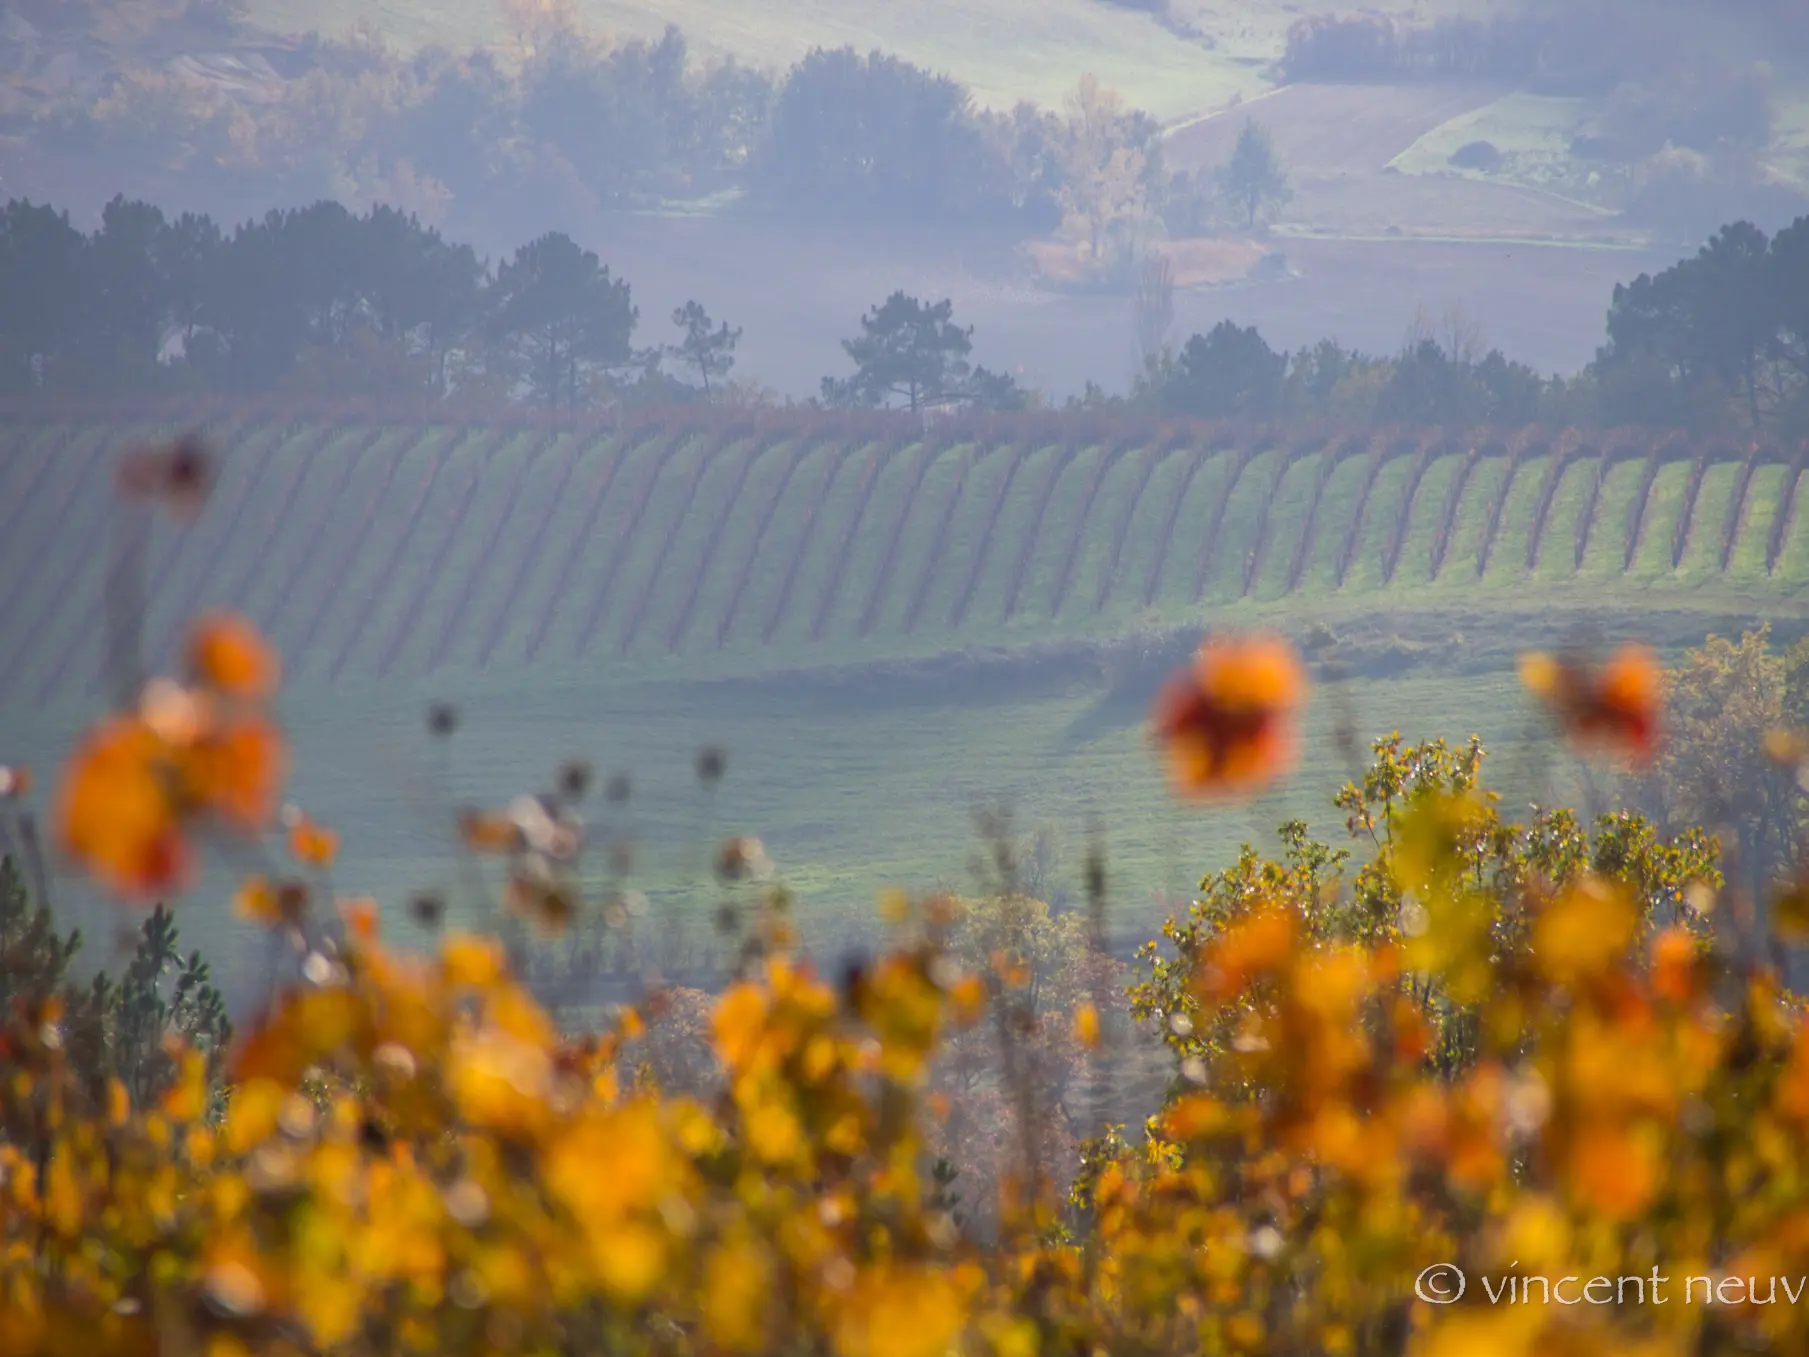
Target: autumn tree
x,y
1110,158
1732,708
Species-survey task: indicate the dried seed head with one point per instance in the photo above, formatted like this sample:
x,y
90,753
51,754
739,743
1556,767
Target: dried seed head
x,y
427,908
177,474
574,780
742,857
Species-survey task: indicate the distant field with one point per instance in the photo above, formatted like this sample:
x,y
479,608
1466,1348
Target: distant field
x,y
1004,50
723,547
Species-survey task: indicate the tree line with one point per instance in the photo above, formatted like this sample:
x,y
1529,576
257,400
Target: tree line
x,y
318,299
571,116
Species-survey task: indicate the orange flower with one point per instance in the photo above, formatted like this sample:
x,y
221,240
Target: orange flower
x,y
1675,974
311,844
226,652
116,815
1613,707
1228,721
237,772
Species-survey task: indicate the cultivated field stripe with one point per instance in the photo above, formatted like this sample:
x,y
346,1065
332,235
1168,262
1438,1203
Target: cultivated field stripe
x,y
1324,464
1513,480
1664,513
42,515
890,457
939,536
652,447
1700,560
1061,512
288,549
1017,457
27,458
1280,520
765,546
1553,551
1158,454
1382,511
1064,456
854,464
341,562
650,520
386,455
939,467
1686,513
1350,470
1426,511
245,569
1785,514
481,475
1639,509
1736,508
932,500
1557,465
1429,450
1181,542
727,460
1448,519
1753,541
1380,448
1604,559
1117,458
739,468
461,607
1592,499
959,541
400,551
1226,538
534,538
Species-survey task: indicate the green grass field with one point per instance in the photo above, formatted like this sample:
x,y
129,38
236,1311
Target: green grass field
x,y
885,628
1003,50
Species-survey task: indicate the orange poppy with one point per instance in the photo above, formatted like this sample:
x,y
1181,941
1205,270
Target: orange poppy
x,y
1612,707
1228,721
225,652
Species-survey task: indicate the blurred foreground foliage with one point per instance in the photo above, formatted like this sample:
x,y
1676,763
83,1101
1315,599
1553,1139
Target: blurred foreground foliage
x,y
1556,1047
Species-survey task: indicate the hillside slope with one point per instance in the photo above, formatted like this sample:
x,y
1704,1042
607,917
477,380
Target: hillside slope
x,y
719,547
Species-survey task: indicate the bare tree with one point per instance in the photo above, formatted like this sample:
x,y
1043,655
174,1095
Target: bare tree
x,y
1455,332
1152,309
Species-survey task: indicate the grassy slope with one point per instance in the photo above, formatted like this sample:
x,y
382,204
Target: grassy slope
x,y
376,553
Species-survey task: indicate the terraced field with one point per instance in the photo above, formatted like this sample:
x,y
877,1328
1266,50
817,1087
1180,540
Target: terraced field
x,y
722,546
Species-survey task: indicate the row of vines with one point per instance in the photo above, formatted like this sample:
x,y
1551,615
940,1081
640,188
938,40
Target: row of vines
x,y
387,549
